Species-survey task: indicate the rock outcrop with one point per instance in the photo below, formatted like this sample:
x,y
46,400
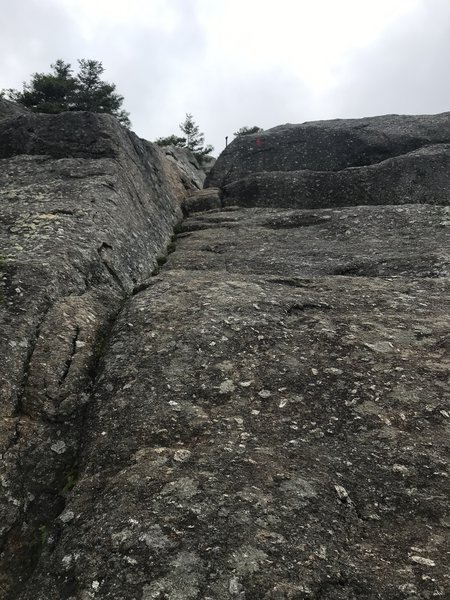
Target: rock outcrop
x,y
10,109
183,171
378,160
86,210
264,416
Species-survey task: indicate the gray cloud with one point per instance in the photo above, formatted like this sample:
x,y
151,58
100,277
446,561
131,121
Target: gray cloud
x,y
164,72
32,35
264,99
406,71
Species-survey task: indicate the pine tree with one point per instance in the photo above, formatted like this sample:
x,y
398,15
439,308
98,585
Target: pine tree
x,y
95,95
171,140
247,130
60,91
195,139
47,92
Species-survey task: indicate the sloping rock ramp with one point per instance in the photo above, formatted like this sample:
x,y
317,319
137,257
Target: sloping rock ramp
x,y
267,415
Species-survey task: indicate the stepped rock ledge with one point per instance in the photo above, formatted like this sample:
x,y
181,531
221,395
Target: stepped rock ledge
x,y
250,402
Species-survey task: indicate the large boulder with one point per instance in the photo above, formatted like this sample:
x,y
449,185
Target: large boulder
x,y
86,210
270,418
10,109
183,171
378,160
255,409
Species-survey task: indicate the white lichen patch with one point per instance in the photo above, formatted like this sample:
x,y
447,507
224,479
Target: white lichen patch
x,y
181,455
182,581
227,386
67,516
247,559
420,560
59,447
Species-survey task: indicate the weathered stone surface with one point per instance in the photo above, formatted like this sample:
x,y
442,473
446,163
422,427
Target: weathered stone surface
x,y
419,177
208,163
10,109
329,145
264,429
203,200
85,210
367,241
183,171
266,418
379,160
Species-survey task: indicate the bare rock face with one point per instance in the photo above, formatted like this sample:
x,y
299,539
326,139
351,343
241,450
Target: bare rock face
x,y
86,208
183,171
263,417
378,160
10,109
200,201
265,426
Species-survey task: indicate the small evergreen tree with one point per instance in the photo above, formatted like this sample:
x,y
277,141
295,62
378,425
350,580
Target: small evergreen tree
x,y
171,140
60,91
247,130
194,139
47,92
95,95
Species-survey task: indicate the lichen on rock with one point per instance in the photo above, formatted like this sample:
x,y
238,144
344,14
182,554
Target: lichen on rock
x,y
264,418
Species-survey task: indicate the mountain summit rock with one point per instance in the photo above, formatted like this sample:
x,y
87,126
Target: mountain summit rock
x,y
250,402
391,159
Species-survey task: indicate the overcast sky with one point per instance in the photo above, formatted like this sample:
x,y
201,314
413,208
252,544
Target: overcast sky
x,y
241,62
